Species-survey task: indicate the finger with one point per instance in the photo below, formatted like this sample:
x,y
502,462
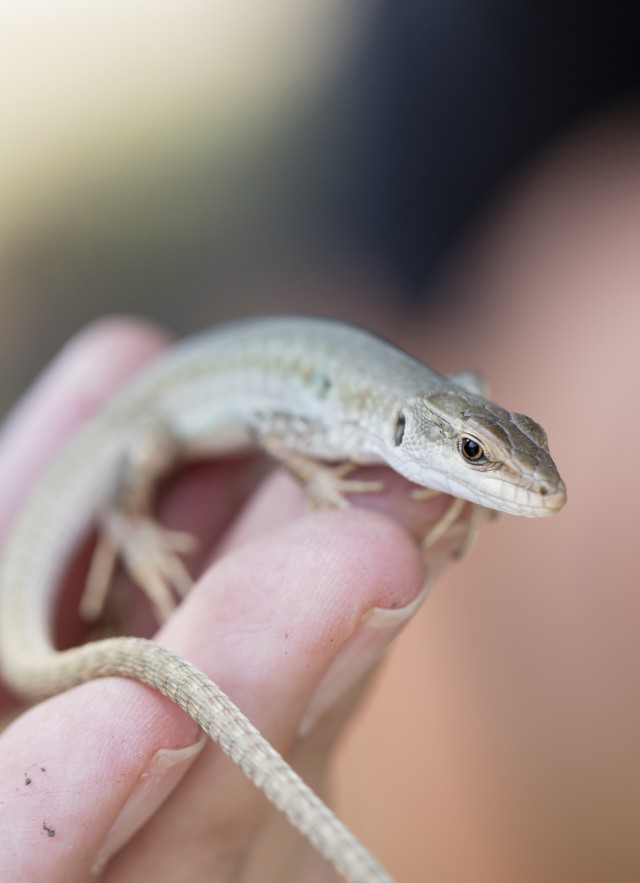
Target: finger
x,y
85,374
265,623
57,763
269,510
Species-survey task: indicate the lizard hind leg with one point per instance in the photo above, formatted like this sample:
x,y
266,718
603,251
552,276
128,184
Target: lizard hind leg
x,y
130,534
149,554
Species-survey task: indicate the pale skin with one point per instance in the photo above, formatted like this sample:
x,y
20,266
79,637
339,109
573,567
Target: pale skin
x,y
296,610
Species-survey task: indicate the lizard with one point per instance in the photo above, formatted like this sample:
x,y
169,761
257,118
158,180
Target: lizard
x,y
320,396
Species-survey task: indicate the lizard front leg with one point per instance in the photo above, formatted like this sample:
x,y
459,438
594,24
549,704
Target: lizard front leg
x,y
325,485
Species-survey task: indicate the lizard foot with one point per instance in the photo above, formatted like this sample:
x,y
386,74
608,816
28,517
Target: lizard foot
x,y
149,554
326,487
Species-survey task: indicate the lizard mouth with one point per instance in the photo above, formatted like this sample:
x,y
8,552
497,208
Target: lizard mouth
x,y
542,499
536,504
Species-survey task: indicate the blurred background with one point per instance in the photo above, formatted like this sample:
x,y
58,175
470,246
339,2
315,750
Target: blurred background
x,y
464,178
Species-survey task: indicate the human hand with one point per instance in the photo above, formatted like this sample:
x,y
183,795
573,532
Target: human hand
x,y
110,780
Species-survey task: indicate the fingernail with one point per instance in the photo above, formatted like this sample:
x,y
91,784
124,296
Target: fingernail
x,y
160,777
377,629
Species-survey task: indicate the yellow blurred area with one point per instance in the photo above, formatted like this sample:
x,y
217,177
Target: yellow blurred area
x,y
151,154
99,98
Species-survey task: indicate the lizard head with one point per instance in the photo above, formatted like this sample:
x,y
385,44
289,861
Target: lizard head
x,y
461,444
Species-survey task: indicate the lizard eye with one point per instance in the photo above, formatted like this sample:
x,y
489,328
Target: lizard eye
x,y
471,450
401,422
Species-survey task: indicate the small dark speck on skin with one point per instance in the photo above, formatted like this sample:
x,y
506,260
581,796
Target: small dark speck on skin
x,y
394,605
321,383
27,779
51,832
42,769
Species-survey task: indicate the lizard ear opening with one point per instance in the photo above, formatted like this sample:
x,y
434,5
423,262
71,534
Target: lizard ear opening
x,y
398,434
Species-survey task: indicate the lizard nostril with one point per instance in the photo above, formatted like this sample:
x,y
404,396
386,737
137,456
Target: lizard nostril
x,y
543,490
